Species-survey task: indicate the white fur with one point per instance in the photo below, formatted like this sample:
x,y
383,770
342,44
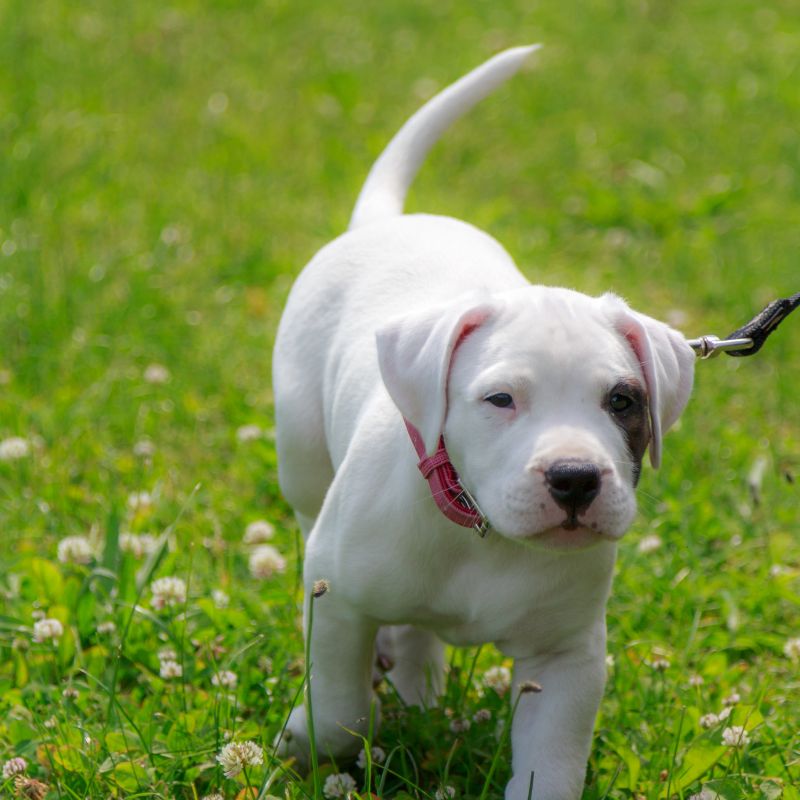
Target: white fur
x,y
374,329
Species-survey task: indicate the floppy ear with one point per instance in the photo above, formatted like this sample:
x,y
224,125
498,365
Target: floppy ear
x,y
667,364
414,355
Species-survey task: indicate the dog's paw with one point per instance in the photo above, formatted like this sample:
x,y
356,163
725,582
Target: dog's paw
x,y
334,740
567,785
293,741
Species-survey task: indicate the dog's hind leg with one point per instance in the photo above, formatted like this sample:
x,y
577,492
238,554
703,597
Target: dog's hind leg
x,y
304,468
414,659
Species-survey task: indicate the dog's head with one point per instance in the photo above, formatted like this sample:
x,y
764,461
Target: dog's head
x,y
547,400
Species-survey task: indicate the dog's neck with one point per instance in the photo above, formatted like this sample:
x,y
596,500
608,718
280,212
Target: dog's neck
x,y
449,494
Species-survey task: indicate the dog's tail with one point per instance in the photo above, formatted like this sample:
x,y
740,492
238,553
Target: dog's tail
x,y
384,191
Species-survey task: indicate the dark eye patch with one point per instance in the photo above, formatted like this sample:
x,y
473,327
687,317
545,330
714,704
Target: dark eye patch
x,y
626,403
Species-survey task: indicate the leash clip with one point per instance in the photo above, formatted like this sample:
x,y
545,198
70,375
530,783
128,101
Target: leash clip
x,y
711,346
748,340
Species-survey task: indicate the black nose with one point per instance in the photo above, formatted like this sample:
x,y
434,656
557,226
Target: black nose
x,y
573,484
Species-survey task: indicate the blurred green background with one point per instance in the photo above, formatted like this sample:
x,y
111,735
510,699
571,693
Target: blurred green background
x,y
168,167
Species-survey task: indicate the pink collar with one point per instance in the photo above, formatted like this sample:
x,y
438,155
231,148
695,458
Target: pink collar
x,y
453,499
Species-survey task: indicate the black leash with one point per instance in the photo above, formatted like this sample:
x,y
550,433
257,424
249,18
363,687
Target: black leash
x,y
747,340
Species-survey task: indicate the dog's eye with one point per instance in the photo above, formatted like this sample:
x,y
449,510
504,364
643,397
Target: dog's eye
x,y
501,400
619,402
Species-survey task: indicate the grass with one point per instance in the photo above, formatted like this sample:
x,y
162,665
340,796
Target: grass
x,y
168,169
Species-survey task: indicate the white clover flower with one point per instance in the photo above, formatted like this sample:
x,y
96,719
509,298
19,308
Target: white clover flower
x,y
215,544
45,629
168,592
696,680
792,649
725,713
218,103
156,374
220,599
249,433
265,561
709,720
735,736
167,654
258,532
732,699
14,766
482,715
50,723
172,234
445,793
498,678
377,755
142,545
649,544
106,627
144,448
139,500
659,664
339,785
225,678
460,725
75,550
129,543
170,669
70,693
265,664
235,756
14,448
610,661
30,788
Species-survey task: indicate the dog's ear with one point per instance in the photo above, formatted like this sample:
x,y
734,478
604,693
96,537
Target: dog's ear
x,y
667,364
414,355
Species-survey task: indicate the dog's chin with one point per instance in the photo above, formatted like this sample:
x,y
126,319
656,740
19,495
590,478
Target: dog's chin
x,y
565,537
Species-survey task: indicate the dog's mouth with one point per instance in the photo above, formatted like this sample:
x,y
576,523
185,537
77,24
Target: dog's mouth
x,y
575,537
569,534
571,523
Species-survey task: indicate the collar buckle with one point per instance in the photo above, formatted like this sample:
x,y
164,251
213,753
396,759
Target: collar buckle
x,y
481,525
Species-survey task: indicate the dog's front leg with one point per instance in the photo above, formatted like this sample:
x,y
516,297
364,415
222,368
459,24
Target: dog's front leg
x,y
341,688
552,729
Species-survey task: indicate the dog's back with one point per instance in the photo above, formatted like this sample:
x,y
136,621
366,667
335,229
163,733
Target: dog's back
x,y
380,267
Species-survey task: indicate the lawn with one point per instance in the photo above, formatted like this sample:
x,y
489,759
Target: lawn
x,y
168,168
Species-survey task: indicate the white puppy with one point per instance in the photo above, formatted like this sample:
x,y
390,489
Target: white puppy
x,y
546,400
